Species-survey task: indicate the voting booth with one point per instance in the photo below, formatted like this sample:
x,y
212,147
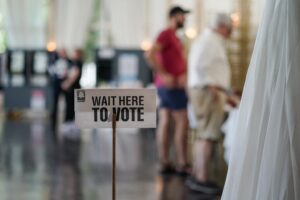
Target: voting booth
x,y
2,64
122,67
26,81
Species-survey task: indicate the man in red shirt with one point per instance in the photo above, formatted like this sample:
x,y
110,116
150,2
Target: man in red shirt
x,y
167,59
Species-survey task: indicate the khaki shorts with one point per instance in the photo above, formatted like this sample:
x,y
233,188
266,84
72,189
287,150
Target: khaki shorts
x,y
209,113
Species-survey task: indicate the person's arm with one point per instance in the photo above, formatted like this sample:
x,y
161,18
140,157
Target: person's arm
x,y
151,57
73,75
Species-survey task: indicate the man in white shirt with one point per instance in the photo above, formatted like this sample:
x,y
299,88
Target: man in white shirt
x,y
208,80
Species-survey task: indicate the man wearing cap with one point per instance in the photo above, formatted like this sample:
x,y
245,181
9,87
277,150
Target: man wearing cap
x,y
168,62
208,83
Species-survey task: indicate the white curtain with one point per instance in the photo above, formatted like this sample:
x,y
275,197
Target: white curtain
x,y
122,23
125,24
265,160
24,23
72,19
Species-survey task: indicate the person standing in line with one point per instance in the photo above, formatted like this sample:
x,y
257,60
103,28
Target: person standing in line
x,y
168,62
58,72
208,82
68,86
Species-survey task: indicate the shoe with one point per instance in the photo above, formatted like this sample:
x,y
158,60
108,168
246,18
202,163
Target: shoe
x,y
167,169
208,187
69,130
184,171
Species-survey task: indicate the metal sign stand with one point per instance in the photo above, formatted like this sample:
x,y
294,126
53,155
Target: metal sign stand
x,y
114,125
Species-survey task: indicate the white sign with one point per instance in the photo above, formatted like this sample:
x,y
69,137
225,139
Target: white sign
x,y
133,108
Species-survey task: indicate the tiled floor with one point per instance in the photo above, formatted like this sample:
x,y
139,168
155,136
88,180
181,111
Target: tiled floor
x,y
33,168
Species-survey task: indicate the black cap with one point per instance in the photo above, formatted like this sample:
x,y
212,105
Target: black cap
x,y
177,10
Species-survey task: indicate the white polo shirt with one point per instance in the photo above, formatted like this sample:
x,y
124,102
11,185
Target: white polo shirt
x,y
208,63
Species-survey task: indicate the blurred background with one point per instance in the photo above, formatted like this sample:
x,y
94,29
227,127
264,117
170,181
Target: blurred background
x,y
113,36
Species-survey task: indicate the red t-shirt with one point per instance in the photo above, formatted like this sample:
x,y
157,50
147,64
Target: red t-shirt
x,y
171,54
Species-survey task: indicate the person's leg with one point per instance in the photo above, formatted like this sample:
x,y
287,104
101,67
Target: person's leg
x,y
181,136
202,103
55,106
163,140
69,97
208,134
56,94
69,130
199,181
202,154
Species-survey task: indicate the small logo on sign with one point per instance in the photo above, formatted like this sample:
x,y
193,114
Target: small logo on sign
x,y
80,96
